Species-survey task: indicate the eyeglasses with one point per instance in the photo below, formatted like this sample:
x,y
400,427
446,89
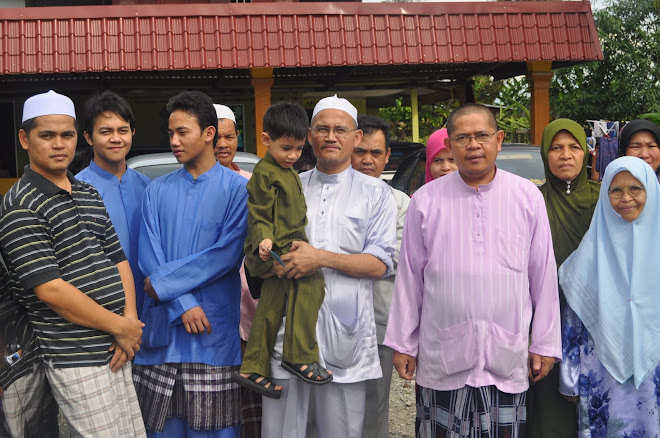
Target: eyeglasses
x,y
339,131
464,140
633,191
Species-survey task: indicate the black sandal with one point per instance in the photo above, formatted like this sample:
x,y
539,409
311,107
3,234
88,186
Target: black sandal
x,y
261,386
314,368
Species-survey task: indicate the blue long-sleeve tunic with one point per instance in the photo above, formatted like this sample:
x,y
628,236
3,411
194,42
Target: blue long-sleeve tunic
x,y
191,247
123,200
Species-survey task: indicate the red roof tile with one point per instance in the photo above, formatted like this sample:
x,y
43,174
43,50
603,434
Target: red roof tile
x,y
279,35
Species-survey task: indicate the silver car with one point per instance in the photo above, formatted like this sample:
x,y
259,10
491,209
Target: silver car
x,y
158,164
521,159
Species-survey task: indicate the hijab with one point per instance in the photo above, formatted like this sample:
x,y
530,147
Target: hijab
x,y
434,144
569,210
612,280
631,129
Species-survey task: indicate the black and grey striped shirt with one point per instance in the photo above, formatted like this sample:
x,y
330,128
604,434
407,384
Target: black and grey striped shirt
x,y
47,233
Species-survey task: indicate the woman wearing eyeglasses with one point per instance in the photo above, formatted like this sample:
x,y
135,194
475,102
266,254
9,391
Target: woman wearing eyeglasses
x,y
611,282
570,199
641,138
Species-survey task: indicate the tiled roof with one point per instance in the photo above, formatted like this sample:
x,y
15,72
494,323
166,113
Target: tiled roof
x,y
239,36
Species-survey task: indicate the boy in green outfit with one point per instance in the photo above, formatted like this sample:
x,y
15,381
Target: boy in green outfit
x,y
277,216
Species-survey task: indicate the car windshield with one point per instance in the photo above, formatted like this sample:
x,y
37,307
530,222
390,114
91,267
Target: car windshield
x,y
525,163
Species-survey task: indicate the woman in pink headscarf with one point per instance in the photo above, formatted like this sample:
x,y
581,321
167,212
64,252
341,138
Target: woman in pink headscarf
x,y
439,161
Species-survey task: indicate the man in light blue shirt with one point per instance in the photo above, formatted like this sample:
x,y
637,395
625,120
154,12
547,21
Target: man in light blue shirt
x,y
109,130
194,223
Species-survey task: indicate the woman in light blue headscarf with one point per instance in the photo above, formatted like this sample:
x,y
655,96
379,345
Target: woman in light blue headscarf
x,y
612,283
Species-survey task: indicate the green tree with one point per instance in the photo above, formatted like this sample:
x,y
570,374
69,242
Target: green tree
x,y
431,118
513,98
627,82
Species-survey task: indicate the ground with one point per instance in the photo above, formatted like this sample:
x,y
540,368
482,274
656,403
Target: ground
x,y
402,407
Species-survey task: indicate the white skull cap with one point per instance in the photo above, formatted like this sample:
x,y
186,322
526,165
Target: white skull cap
x,y
224,112
334,102
48,104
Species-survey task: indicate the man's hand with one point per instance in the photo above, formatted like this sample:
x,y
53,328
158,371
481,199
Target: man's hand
x,y
119,358
302,260
280,270
276,269
149,289
194,320
572,398
405,365
539,366
128,335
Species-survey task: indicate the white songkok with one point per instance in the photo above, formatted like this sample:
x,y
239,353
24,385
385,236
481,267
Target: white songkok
x,y
334,102
224,112
48,104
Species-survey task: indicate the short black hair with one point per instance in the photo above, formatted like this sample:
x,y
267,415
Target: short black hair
x,y
470,108
197,104
107,101
370,124
286,119
30,124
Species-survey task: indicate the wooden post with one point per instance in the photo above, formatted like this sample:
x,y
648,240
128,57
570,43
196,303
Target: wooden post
x,y
539,76
262,81
415,115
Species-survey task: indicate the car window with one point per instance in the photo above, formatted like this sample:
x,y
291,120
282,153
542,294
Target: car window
x,y
399,152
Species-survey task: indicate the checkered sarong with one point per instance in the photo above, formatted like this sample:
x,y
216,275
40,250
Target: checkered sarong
x,y
97,402
251,427
252,408
468,412
201,394
23,403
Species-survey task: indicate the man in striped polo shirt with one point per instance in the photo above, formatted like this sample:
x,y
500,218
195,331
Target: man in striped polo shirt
x,y
60,246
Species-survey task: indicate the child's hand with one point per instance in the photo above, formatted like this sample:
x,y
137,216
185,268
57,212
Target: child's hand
x,y
264,249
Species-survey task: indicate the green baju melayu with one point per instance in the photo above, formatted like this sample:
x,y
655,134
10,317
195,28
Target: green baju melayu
x,y
277,211
570,206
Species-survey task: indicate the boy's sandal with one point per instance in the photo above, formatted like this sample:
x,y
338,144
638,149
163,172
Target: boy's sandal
x,y
261,386
315,369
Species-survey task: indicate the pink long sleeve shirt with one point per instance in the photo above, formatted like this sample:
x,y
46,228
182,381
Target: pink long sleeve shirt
x,y
474,267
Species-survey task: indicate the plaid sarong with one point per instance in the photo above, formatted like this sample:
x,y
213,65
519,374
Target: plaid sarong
x,y
23,402
251,427
468,412
97,402
201,394
252,407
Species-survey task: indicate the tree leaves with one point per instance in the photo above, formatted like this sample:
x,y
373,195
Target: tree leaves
x,y
627,82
